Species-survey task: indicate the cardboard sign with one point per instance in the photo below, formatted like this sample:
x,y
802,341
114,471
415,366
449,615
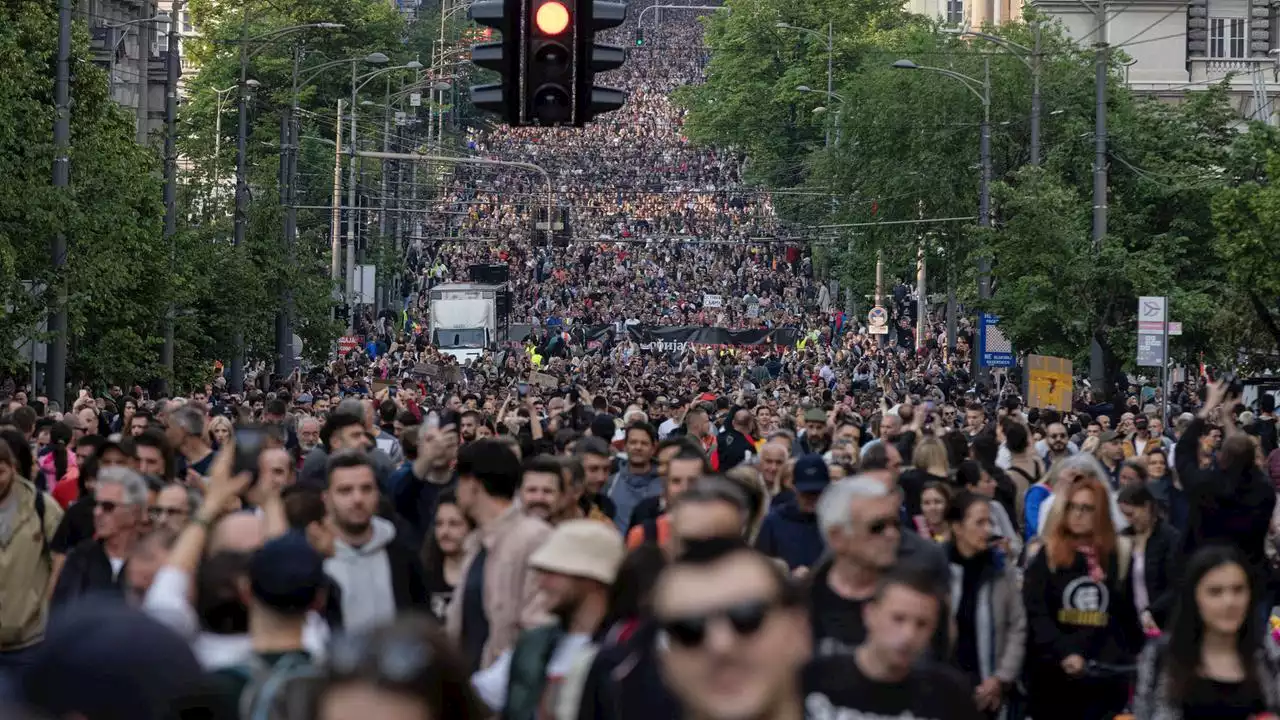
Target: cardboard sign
x,y
543,380
1049,382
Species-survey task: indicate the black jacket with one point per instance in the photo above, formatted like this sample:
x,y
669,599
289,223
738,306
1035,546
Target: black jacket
x,y
87,571
1162,560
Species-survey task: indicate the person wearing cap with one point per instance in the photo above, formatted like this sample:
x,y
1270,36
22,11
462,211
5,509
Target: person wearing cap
x,y
816,437
790,530
286,581
1110,453
576,567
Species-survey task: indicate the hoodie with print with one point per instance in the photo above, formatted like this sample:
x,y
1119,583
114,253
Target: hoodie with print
x,y
378,578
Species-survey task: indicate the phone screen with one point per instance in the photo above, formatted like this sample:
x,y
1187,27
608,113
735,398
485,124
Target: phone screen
x,y
522,388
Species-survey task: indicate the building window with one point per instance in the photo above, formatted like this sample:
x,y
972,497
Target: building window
x,y
955,12
1226,37
187,28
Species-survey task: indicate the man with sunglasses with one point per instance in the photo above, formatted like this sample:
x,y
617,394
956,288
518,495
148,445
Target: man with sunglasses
x,y
860,519
95,565
732,637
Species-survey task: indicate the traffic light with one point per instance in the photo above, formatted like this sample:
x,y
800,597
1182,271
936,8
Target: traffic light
x,y
549,65
639,37
502,56
597,57
547,58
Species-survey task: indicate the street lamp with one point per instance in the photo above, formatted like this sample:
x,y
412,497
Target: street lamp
x,y
160,17
1029,56
982,90
830,76
264,40
358,82
822,109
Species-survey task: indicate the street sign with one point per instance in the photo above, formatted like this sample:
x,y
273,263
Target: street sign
x,y
1150,350
1152,327
878,321
401,118
415,99
995,349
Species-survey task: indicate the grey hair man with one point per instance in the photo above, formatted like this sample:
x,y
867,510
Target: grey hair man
x,y
95,566
185,433
860,519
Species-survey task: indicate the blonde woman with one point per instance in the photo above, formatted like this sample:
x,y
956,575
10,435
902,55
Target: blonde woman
x,y
930,465
219,430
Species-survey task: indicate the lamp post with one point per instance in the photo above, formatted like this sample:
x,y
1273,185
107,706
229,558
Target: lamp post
x,y
358,82
982,90
830,58
236,379
160,17
1030,56
821,109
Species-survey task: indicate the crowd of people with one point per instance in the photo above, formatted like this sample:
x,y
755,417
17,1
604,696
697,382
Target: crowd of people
x,y
415,557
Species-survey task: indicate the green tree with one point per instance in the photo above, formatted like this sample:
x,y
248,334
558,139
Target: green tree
x,y
115,274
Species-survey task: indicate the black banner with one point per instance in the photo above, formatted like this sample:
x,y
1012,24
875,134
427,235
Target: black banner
x,y
672,338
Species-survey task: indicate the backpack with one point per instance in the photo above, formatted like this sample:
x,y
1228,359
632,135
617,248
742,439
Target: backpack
x,y
271,691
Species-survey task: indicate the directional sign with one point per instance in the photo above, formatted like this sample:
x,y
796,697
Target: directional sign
x,y
995,349
1152,317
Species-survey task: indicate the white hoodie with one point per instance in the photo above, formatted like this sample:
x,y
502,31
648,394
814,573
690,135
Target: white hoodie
x,y
364,574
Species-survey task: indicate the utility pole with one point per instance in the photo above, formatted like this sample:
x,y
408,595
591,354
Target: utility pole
x,y
351,210
172,71
984,200
1035,97
1097,370
922,298
288,170
335,264
236,381
56,377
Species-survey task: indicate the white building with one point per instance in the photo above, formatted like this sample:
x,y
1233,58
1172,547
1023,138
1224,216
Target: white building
x,y
127,47
1174,46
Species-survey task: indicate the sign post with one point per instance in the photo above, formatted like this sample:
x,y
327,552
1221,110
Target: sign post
x,y
994,349
878,321
1153,343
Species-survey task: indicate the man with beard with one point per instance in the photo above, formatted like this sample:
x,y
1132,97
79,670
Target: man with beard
x,y
1057,446
576,566
431,474
816,438
377,576
469,424
542,489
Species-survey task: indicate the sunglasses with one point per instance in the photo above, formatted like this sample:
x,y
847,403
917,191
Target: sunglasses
x,y
399,661
746,618
105,506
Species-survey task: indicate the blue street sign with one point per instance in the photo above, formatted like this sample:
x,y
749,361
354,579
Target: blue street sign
x,y
994,349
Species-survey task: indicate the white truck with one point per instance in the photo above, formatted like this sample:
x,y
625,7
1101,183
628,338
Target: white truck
x,y
463,318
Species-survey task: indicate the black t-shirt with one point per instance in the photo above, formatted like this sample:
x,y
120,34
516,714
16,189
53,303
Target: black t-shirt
x,y
836,622
835,687
75,528
1213,700
439,592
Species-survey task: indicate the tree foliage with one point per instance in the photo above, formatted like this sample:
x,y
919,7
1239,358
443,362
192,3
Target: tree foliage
x,y
905,145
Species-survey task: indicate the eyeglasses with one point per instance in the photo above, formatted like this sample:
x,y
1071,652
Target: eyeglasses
x,y
1084,508
105,506
883,525
746,618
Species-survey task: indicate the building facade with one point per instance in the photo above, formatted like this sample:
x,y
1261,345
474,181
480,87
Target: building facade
x,y
126,42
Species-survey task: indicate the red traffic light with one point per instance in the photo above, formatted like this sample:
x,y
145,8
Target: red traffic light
x,y
552,18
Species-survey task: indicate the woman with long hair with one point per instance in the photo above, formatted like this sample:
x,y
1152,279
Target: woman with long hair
x,y
57,458
1157,554
1163,482
931,523
1211,665
219,430
442,552
990,622
929,465
1078,607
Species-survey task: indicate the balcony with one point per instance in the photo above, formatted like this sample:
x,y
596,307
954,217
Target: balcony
x,y
1239,70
